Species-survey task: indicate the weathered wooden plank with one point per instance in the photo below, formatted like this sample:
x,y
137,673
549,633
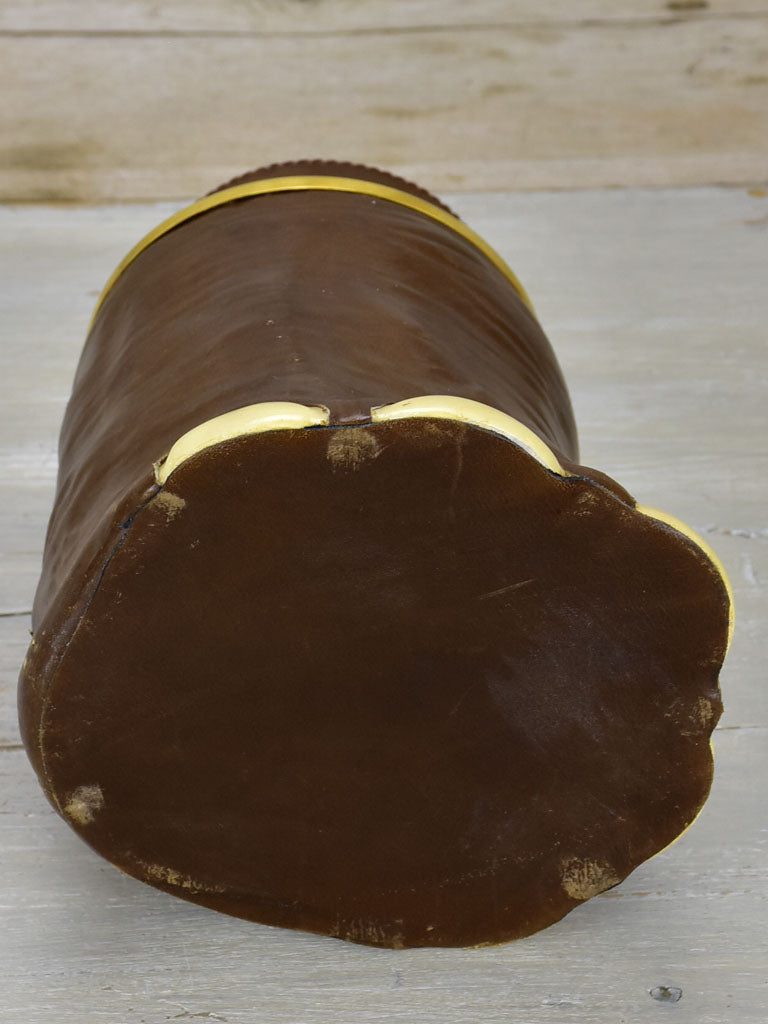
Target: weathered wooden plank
x,y
80,942
544,106
297,16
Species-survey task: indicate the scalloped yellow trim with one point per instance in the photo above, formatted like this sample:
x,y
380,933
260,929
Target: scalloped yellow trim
x,y
466,410
319,183
254,419
251,419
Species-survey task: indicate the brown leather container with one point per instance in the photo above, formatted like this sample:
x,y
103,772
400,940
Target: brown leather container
x,y
333,631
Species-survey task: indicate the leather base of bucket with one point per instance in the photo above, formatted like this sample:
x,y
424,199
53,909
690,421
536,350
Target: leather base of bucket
x,y
396,683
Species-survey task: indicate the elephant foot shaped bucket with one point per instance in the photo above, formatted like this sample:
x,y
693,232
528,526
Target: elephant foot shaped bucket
x,y
334,631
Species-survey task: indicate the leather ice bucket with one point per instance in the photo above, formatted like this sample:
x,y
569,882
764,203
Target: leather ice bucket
x,y
334,631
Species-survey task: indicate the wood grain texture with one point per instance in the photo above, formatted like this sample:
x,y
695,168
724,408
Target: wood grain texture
x,y
656,305
311,16
676,102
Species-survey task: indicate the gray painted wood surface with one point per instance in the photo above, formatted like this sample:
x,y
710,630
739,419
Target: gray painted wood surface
x,y
657,304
